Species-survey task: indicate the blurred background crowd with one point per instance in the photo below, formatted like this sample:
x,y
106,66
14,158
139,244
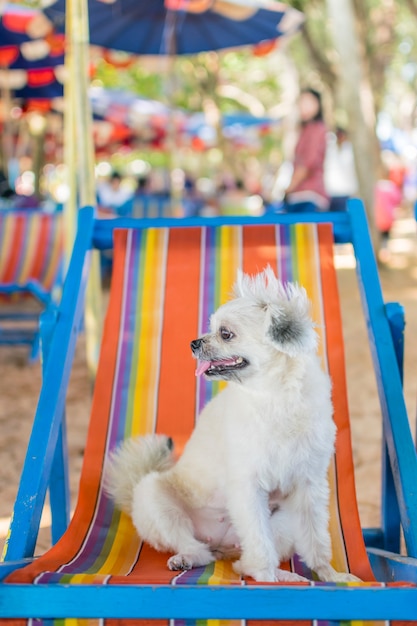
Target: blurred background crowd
x,y
216,132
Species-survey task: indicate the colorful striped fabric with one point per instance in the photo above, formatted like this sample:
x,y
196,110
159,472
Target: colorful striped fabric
x,y
31,246
166,283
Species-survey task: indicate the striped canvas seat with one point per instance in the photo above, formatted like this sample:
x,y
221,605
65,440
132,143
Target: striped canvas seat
x,y
31,254
166,282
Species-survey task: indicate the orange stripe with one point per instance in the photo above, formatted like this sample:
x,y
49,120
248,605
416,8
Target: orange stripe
x,y
358,560
151,567
259,248
181,312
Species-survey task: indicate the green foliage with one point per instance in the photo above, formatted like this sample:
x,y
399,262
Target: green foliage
x,y
135,78
223,82
387,39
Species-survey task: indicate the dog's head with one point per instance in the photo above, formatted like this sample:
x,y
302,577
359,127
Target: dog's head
x,y
264,321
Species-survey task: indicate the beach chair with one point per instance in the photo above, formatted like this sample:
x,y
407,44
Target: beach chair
x,y
31,253
166,281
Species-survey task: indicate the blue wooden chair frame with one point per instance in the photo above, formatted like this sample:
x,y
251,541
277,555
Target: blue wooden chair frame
x,y
46,458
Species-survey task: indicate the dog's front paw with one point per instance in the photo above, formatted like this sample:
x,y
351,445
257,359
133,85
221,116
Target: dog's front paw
x,y
342,577
328,574
265,575
198,556
180,562
268,575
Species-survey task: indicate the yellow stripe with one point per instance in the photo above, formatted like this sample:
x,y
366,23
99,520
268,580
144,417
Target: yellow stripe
x,y
223,574
308,269
313,286
78,579
229,260
229,263
123,550
149,314
315,292
310,278
339,559
308,264
149,305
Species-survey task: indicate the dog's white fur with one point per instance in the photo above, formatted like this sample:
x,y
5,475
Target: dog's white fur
x,y
251,483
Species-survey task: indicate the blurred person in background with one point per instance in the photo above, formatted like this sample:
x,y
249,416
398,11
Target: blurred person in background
x,y
306,190
339,170
387,199
112,194
143,186
192,200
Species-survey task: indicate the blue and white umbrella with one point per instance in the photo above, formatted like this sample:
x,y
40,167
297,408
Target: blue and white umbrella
x,y
154,27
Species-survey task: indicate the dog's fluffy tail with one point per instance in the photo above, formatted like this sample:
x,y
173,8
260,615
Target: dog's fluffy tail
x,y
131,461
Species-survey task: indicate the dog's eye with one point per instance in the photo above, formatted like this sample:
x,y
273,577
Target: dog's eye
x,y
226,334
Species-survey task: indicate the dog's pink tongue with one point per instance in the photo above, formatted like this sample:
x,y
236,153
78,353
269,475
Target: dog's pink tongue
x,y
202,367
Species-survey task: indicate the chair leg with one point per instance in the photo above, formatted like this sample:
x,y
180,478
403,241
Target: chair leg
x,y
35,349
59,490
391,520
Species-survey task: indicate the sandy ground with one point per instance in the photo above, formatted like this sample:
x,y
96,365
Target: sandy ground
x,y
20,384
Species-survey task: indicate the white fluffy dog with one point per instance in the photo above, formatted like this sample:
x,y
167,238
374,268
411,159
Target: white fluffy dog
x,y
251,483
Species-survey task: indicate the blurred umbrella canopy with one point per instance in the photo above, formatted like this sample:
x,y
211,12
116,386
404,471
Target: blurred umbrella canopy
x,y
181,26
148,121
31,57
143,27
32,42
124,107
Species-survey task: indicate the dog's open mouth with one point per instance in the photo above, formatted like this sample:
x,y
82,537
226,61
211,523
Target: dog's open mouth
x,y
210,368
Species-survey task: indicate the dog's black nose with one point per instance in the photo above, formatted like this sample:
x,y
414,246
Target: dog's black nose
x,y
195,345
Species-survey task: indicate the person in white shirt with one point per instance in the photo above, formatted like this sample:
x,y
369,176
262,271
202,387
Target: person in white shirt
x,y
339,170
112,194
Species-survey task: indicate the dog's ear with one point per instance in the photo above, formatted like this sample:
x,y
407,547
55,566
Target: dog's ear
x,y
289,326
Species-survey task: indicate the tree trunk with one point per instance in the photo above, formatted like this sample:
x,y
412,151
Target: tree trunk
x,y
357,97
